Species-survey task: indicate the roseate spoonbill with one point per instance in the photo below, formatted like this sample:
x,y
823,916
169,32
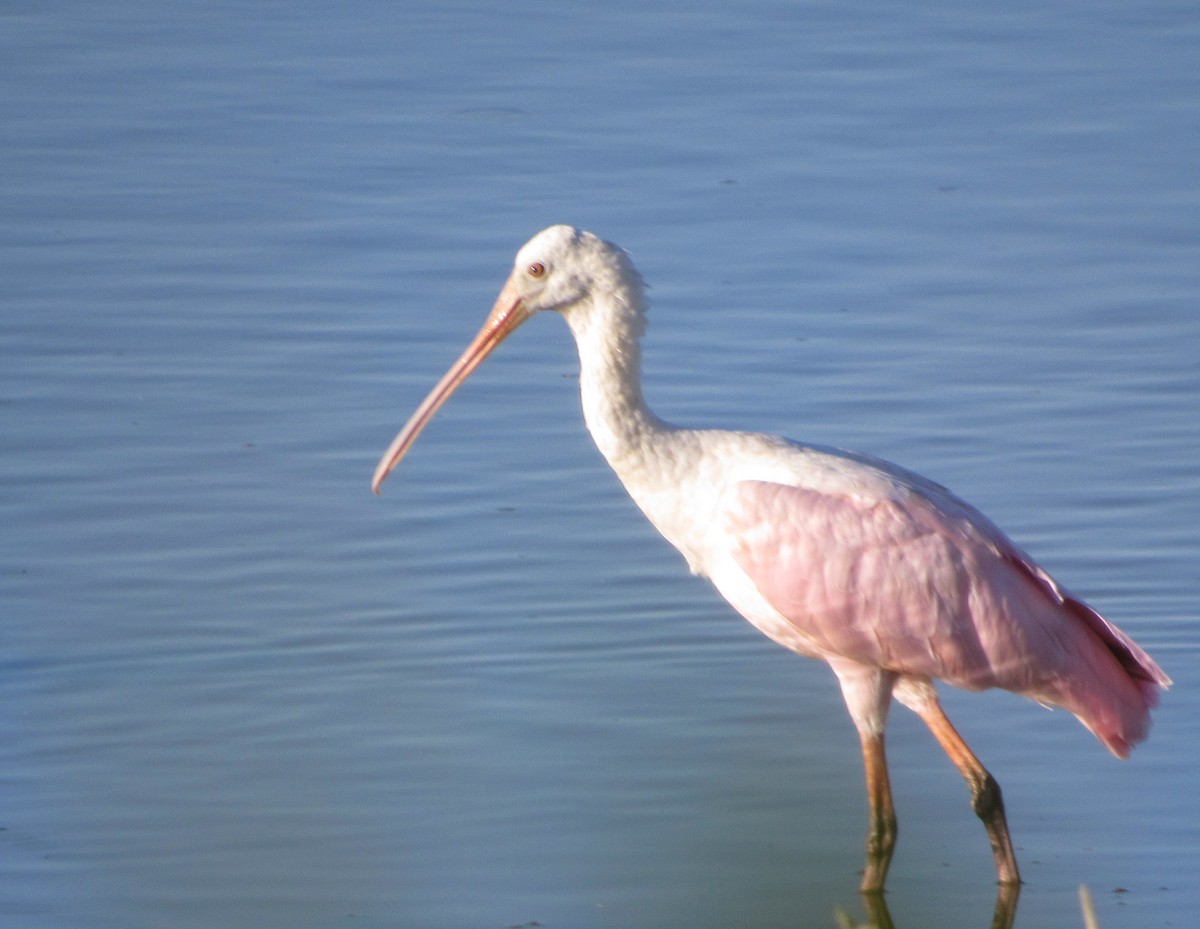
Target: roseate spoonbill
x,y
885,575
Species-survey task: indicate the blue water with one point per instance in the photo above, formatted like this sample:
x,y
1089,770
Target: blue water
x,y
239,242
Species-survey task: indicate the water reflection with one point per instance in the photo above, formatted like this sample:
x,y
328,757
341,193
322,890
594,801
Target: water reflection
x,y
879,917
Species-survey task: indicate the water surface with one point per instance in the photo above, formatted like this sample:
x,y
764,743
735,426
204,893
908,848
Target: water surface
x,y
239,245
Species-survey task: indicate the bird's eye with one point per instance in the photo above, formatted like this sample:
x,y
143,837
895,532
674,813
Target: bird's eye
x,y
537,269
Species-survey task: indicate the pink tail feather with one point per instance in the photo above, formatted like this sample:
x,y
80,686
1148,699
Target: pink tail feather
x,y
1114,702
1119,716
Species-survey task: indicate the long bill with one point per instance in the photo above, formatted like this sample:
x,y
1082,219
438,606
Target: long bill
x,y
508,313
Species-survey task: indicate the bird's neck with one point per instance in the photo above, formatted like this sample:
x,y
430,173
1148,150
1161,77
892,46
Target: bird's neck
x,y
607,334
653,459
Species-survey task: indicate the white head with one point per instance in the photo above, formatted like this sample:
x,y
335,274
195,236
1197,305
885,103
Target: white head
x,y
562,269
562,266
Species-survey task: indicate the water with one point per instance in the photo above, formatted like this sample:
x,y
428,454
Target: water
x,y
239,245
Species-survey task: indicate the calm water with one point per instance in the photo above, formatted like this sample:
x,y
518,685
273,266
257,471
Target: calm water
x,y
237,248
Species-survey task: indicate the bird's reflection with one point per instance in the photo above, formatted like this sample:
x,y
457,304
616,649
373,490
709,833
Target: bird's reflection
x,y
879,917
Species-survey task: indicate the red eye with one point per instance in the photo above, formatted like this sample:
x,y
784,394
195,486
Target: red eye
x,y
537,269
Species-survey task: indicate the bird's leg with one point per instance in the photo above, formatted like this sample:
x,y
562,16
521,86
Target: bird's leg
x,y
985,792
868,694
881,834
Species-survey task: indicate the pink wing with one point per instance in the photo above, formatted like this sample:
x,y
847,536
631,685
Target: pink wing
x,y
921,583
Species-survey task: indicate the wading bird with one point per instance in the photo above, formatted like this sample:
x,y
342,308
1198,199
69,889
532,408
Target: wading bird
x,y
885,575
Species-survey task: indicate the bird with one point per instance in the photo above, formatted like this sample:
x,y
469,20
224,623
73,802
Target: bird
x,y
885,575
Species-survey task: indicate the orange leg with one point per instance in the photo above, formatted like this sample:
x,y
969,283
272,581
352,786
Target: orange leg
x,y
985,792
881,835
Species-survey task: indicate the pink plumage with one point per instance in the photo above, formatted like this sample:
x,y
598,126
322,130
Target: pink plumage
x,y
922,584
885,575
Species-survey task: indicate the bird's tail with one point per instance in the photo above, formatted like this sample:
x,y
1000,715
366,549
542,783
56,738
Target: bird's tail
x,y
1115,701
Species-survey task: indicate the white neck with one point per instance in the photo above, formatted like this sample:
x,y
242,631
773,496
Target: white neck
x,y
607,327
653,459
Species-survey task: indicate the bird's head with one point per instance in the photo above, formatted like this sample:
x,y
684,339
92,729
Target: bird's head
x,y
561,269
562,266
